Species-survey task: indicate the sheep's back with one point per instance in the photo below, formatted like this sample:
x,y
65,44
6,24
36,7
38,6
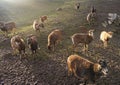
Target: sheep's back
x,y
82,38
78,60
104,36
10,26
14,44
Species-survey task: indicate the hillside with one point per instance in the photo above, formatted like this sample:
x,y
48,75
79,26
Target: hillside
x,y
49,68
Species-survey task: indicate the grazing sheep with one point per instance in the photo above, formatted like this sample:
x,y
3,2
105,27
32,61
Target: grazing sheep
x,y
43,18
54,38
77,6
6,27
18,44
37,26
84,38
86,70
105,36
59,9
33,43
91,17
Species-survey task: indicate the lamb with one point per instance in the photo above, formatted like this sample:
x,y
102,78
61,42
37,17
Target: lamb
x,y
18,44
37,26
85,38
54,38
105,36
86,70
43,18
33,43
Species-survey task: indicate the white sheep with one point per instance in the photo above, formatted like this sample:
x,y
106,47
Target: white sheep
x,y
37,25
105,36
84,38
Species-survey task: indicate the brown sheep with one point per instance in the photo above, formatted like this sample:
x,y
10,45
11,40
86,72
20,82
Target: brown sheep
x,y
105,36
37,26
54,38
18,44
6,27
86,70
32,43
43,18
85,38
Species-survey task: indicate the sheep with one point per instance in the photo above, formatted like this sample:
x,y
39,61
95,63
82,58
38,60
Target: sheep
x,y
85,38
54,38
18,44
59,9
6,27
77,6
91,17
86,70
37,26
43,18
105,36
2,27
32,43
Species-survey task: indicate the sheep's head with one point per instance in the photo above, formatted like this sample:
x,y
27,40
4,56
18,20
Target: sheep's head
x,y
110,34
90,32
101,68
49,47
104,69
1,25
41,25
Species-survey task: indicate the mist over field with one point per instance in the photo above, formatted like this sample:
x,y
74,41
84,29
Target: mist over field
x,y
24,11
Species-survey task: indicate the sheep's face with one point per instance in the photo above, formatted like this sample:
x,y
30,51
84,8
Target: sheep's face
x,y
101,68
91,32
110,34
104,69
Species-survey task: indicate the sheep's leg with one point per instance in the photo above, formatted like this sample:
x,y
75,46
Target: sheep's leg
x,y
14,51
86,47
74,71
53,47
74,46
105,45
69,69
